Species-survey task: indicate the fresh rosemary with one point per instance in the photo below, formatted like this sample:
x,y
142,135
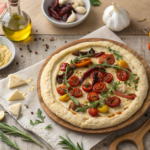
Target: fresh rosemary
x,y
12,130
8,141
69,144
116,53
65,82
48,126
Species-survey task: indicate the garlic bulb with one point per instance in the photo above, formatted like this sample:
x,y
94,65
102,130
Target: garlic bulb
x,y
61,2
81,3
80,10
116,18
71,18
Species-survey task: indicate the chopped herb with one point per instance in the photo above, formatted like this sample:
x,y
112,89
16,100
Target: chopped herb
x,y
95,2
86,84
48,126
69,144
114,85
35,123
142,20
116,53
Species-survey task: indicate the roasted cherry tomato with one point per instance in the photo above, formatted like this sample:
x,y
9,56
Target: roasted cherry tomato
x,y
87,87
103,109
129,96
92,96
128,74
83,62
74,81
108,77
113,101
63,66
61,90
93,112
76,92
110,59
123,64
100,76
149,46
99,87
122,75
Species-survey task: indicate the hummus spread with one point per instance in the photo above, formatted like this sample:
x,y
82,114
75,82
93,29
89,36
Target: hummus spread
x,y
5,55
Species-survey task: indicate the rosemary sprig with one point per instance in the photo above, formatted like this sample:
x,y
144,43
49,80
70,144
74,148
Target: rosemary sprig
x,y
65,82
8,141
12,130
116,53
69,144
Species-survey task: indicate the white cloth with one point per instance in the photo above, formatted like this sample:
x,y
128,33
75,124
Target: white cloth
x,y
51,136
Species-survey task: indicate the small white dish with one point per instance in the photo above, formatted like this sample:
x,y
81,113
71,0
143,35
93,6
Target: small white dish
x,y
4,41
61,24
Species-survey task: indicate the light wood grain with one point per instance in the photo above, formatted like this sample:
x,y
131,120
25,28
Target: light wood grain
x,y
65,124
138,10
135,137
138,43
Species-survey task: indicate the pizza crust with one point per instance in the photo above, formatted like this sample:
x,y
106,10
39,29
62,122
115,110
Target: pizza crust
x,y
49,95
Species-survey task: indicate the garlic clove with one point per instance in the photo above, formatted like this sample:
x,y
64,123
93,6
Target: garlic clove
x,y
80,10
116,18
81,3
61,2
76,4
71,18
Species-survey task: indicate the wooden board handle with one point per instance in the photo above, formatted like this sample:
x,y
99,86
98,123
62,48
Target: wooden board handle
x,y
135,137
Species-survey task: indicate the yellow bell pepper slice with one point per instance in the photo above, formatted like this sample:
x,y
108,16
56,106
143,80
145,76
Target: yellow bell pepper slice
x,y
123,64
103,109
64,98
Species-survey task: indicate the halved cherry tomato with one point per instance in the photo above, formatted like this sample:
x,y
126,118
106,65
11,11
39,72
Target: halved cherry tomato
x,y
83,62
110,59
87,87
92,96
122,75
128,74
123,64
113,101
108,77
100,76
93,112
63,66
76,92
149,46
74,81
99,87
61,90
129,96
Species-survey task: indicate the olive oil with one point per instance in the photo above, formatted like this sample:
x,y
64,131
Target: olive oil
x,y
17,24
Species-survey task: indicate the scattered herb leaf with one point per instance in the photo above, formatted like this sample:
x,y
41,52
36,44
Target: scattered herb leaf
x,y
95,2
142,20
39,115
35,123
48,126
116,53
69,144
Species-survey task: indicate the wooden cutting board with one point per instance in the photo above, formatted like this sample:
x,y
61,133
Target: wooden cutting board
x,y
138,9
136,116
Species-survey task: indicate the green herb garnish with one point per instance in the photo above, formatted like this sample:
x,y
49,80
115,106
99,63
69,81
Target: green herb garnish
x,y
114,85
66,81
69,144
142,20
48,126
8,141
39,115
95,2
86,84
12,130
116,53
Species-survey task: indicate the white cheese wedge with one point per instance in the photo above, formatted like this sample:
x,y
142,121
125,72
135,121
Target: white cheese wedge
x,y
15,81
15,110
16,96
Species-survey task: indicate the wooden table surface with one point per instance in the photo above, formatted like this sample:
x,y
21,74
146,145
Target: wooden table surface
x,y
25,59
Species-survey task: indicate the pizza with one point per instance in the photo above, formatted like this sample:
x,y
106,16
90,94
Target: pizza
x,y
94,84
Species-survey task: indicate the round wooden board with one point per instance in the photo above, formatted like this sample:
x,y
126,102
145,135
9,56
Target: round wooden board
x,y
128,122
